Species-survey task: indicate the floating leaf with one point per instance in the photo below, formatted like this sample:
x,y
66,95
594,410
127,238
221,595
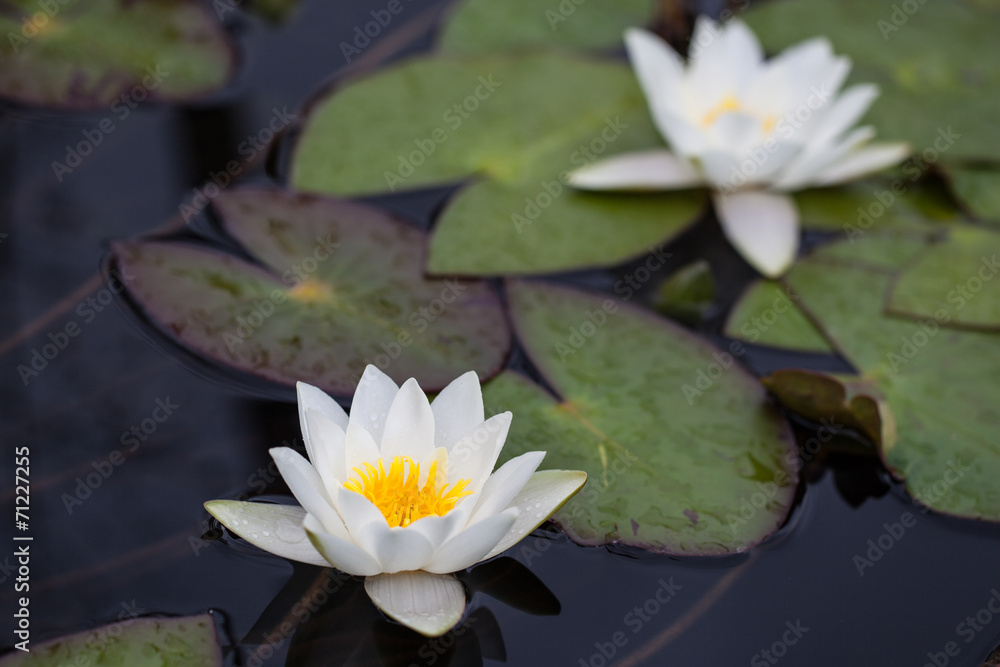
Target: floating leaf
x,y
516,126
939,386
483,26
137,642
111,53
955,282
683,452
943,101
767,314
341,286
978,189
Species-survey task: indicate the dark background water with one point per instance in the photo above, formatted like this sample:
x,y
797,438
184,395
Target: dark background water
x,y
135,540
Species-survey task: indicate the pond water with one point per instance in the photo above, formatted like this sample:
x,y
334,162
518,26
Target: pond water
x,y
126,444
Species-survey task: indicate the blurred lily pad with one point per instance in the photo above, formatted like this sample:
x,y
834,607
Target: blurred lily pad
x,y
334,286
767,314
137,642
956,282
511,128
934,388
934,62
978,189
687,295
683,452
111,53
484,26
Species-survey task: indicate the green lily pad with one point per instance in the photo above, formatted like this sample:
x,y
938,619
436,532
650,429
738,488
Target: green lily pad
x,y
684,455
512,127
978,189
767,314
191,641
483,26
111,54
687,295
943,100
338,286
954,282
936,385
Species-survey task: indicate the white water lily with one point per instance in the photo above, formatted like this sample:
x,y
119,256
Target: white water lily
x,y
749,129
401,492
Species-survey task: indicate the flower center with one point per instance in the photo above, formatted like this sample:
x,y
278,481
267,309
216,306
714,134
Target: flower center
x,y
396,492
730,104
311,291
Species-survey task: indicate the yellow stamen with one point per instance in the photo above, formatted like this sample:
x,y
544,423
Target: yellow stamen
x,y
311,291
397,495
729,104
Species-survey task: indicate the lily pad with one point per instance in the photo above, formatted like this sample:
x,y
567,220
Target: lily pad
x,y
191,641
687,295
978,189
683,452
338,286
767,314
111,54
484,26
943,101
512,127
936,385
955,282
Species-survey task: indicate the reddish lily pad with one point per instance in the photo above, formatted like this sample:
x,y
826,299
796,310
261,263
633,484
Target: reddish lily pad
x,y
338,286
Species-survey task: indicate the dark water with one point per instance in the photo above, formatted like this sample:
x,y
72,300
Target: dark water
x,y
109,537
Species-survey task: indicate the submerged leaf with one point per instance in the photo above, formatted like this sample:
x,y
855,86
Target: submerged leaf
x,y
111,54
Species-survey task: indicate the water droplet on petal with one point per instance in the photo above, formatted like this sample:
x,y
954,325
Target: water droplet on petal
x,y
267,534
245,522
538,505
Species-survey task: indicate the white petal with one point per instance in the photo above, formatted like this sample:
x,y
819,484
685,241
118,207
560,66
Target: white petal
x,y
685,137
359,448
395,549
358,512
722,58
542,496
431,604
439,529
862,162
658,68
307,487
274,528
409,428
504,484
472,544
762,226
844,113
457,409
327,454
475,454
341,554
803,170
645,170
313,398
372,399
